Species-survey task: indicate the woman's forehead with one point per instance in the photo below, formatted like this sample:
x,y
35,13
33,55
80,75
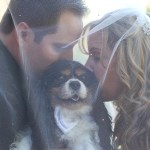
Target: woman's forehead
x,y
95,39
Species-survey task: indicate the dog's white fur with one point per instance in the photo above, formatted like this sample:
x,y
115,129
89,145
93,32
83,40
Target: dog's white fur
x,y
84,136
67,92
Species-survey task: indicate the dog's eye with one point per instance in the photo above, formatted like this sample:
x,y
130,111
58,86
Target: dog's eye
x,y
83,77
59,80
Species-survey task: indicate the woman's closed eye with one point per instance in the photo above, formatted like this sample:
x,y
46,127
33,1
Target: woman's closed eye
x,y
95,54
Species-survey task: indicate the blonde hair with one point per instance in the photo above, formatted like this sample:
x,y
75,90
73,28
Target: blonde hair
x,y
132,124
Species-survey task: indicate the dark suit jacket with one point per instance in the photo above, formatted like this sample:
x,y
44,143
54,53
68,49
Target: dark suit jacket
x,y
12,99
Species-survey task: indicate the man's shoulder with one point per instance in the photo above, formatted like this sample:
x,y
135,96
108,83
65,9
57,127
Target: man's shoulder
x,y
12,99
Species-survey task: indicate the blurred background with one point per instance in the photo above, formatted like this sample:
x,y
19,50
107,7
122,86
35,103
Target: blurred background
x,y
98,7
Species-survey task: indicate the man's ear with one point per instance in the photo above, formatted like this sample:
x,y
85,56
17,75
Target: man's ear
x,y
24,31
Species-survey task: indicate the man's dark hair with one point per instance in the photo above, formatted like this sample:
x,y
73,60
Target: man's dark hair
x,y
38,13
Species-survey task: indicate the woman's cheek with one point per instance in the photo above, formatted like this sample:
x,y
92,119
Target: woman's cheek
x,y
112,87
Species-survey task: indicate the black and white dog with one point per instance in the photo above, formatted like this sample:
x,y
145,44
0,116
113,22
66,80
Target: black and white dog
x,y
69,88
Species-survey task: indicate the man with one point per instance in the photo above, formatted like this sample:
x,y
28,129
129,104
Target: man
x,y
33,34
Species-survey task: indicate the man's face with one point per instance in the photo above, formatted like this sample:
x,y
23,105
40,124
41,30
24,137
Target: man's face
x,y
53,47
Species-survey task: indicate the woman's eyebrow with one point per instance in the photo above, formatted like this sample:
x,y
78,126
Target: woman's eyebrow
x,y
60,44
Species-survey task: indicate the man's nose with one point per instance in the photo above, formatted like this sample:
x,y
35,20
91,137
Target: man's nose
x,y
67,55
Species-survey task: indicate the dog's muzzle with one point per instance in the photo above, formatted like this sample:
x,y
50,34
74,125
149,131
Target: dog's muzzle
x,y
74,89
75,85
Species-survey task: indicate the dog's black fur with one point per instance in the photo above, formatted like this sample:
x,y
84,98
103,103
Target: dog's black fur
x,y
48,95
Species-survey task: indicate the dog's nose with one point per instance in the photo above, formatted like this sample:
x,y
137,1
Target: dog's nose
x,y
75,85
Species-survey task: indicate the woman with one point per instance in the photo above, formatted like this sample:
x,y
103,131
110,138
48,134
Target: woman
x,y
119,54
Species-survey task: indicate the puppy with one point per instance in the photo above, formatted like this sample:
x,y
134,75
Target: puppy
x,y
69,88
72,89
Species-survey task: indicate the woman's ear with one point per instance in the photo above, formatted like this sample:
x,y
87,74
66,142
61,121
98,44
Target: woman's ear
x,y
24,32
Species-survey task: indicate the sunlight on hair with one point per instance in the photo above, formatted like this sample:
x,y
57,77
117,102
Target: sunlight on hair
x,y
98,8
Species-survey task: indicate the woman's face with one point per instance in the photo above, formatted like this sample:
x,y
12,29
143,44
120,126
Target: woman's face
x,y
98,62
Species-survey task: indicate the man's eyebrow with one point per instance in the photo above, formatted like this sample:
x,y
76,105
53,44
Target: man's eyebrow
x,y
71,44
61,45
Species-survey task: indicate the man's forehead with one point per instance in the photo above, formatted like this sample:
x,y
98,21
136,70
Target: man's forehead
x,y
69,24
64,46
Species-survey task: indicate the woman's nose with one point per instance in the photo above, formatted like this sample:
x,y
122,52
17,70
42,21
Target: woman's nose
x,y
89,64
